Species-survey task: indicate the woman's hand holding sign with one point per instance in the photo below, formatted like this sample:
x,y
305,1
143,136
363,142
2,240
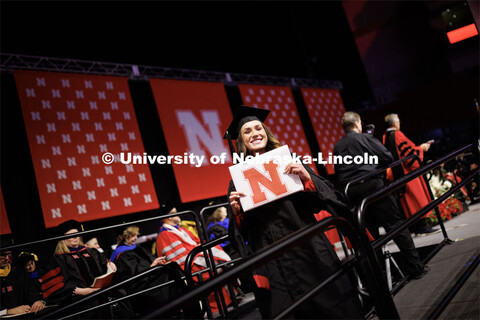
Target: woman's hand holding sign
x,y
235,202
298,169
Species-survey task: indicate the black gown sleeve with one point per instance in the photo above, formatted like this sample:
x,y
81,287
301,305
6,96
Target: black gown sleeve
x,y
385,157
132,262
325,197
57,285
235,231
65,273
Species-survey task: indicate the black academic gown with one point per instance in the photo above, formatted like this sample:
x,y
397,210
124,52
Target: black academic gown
x,y
217,230
296,271
70,270
132,262
18,289
65,272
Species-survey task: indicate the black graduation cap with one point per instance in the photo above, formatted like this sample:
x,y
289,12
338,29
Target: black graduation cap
x,y
24,257
167,206
63,227
243,115
91,237
5,241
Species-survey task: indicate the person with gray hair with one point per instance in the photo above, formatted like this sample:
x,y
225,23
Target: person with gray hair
x,y
414,195
385,211
349,120
391,120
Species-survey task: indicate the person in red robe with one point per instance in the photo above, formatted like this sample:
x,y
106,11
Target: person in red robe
x,y
175,242
414,195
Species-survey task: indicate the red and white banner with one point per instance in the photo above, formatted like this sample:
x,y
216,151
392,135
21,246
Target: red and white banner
x,y
325,108
72,120
4,224
283,119
194,117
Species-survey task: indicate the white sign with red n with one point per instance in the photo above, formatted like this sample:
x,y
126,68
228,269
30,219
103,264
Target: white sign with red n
x,y
262,178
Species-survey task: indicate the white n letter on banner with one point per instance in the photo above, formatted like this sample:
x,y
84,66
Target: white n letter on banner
x,y
195,133
82,208
56,213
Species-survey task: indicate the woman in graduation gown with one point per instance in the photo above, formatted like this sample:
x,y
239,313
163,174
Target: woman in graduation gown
x,y
73,267
72,270
288,277
131,259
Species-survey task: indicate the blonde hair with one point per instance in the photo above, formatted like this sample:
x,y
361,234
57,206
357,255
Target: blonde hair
x,y
215,216
63,248
128,232
272,142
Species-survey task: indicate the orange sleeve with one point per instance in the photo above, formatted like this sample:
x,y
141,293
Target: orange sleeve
x,y
389,175
406,147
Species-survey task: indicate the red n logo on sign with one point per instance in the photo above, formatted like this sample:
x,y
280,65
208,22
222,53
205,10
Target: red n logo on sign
x,y
274,184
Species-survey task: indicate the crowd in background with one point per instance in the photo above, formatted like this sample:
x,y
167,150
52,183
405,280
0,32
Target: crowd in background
x,y
69,274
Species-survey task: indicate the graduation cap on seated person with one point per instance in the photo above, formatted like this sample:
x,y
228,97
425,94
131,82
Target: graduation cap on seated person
x,y
68,225
243,115
24,257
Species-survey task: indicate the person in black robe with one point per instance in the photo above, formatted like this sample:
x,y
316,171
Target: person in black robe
x,y
288,277
29,261
19,294
72,271
132,259
217,226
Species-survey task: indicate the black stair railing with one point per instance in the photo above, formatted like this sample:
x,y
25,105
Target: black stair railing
x,y
360,211
103,292
204,215
79,234
373,174
360,214
365,257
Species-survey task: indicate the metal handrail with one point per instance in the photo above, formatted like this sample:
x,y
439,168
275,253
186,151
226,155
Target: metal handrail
x,y
412,219
415,217
202,218
368,269
78,234
118,300
112,287
211,267
100,293
197,250
190,257
374,173
105,290
348,263
135,294
401,182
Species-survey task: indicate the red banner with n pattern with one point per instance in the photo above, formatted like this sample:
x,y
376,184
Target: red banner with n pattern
x,y
283,119
76,125
325,108
194,117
